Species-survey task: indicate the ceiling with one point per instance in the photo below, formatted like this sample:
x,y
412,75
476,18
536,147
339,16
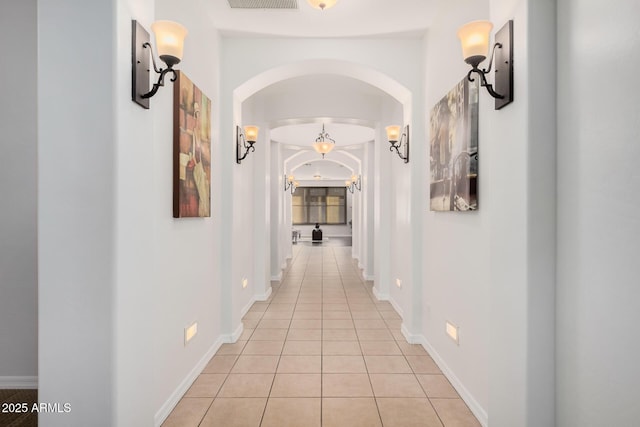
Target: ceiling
x,y
348,18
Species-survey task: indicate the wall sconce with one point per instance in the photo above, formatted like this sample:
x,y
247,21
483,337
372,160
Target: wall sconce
x,y
355,183
474,38
395,139
322,4
290,183
169,42
245,140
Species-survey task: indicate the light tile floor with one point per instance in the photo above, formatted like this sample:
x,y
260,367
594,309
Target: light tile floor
x,y
322,351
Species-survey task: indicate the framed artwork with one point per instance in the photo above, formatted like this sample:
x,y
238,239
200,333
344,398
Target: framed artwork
x,y
191,150
454,149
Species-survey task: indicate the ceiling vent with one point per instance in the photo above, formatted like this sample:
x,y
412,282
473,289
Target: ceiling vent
x,y
263,4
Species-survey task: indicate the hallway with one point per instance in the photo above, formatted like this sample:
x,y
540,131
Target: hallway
x,y
321,352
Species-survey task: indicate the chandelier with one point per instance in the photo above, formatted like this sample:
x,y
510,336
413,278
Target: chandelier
x,y
324,143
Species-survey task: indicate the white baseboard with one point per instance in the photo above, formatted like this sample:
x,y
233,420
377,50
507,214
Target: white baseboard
x,y
278,277
472,403
380,296
18,383
396,307
247,307
233,337
177,394
266,295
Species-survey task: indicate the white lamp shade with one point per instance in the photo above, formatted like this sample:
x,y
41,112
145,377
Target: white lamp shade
x,y
474,38
290,178
323,147
393,133
169,39
347,183
251,133
322,4
354,178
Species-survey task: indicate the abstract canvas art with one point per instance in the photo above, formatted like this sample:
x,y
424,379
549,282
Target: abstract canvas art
x,y
192,150
454,149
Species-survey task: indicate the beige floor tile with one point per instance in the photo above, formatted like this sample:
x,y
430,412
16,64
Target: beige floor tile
x,y
188,412
281,307
228,349
296,385
337,324
365,315
252,315
335,307
307,315
403,412
339,335
390,315
387,365
394,324
231,412
302,348
274,323
341,348
269,335
309,306
398,335
206,385
346,385
412,349
370,324
277,315
454,413
380,348
306,324
374,335
255,365
396,385
220,364
259,306
363,307
246,334
247,385
263,348
342,314
343,365
304,335
423,365
437,386
292,412
300,365
351,412
250,323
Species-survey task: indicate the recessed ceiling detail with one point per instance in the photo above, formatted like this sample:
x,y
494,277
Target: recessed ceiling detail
x,y
263,4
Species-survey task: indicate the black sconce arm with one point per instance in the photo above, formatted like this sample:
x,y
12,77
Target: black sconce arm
x,y
248,148
162,72
482,73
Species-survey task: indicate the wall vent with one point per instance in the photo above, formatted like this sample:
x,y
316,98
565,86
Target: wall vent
x,y
263,4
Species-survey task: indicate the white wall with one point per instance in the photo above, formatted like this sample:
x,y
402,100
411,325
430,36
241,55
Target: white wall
x,y
18,176
491,272
456,280
76,210
598,220
120,279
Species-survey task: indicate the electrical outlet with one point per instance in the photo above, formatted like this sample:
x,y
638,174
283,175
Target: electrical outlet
x,y
245,283
190,332
452,331
399,283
